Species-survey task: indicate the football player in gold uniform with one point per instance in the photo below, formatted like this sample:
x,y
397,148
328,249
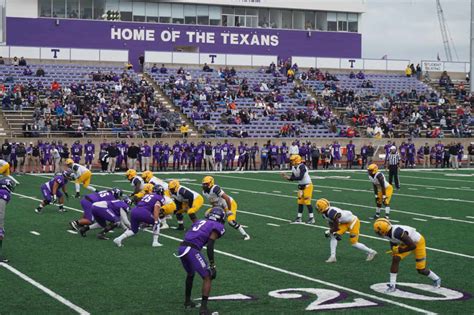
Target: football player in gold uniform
x,y
340,222
403,241
382,189
300,173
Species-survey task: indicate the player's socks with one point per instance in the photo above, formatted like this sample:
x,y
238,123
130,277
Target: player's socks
x,y
95,226
126,234
61,208
204,302
362,247
431,275
393,279
91,188
333,246
39,209
78,188
387,211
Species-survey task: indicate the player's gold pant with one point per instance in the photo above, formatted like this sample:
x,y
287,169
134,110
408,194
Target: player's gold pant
x,y
353,228
388,195
85,179
169,208
420,254
197,204
5,170
305,195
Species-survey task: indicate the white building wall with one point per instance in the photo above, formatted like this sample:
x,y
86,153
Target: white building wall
x,y
22,8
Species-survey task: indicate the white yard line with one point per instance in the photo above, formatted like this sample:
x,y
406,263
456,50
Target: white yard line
x,y
35,233
273,224
49,292
348,189
418,219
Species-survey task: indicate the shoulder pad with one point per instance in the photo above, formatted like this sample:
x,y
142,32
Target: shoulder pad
x,y
398,233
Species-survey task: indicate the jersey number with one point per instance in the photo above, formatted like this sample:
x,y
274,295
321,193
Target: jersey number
x,y
103,194
196,228
147,198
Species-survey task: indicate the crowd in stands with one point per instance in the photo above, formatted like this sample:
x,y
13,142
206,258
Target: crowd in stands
x,y
429,114
114,100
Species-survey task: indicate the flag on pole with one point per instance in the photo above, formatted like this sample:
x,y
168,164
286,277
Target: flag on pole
x,y
438,58
384,57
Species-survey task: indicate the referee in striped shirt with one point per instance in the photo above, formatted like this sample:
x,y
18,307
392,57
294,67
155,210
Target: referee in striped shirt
x,y
393,163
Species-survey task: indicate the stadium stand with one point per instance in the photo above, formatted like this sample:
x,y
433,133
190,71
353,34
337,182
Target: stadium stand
x,y
75,99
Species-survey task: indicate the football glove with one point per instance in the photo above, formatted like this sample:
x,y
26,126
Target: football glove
x,y
337,236
327,233
394,250
213,271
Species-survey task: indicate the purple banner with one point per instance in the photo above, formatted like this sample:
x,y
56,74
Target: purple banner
x,y
138,37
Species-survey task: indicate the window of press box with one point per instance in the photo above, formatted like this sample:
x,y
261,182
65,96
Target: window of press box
x,y
151,12
59,8
85,9
98,9
45,8
352,22
72,9
138,11
332,21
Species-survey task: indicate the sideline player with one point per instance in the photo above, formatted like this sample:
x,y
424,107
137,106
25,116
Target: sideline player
x,y
83,176
186,200
404,240
341,221
6,188
51,191
382,189
203,233
300,173
218,198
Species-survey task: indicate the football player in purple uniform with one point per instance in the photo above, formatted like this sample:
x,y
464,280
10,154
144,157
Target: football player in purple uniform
x,y
350,147
88,200
6,188
203,233
113,211
51,191
76,151
148,211
89,150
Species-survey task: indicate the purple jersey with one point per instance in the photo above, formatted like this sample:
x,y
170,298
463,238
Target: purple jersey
x,y
145,151
201,231
76,149
100,196
123,148
363,150
411,149
116,205
46,150
403,150
177,149
218,153
241,149
231,152
4,195
336,149
273,150
104,146
387,148
59,179
89,149
156,149
166,150
148,202
200,150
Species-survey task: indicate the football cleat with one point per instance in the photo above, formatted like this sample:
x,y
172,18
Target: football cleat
x,y
190,305
101,236
78,195
83,231
371,256
375,217
62,210
246,237
437,283
297,220
118,242
390,288
74,226
156,244
164,226
3,260
39,211
331,259
311,221
387,217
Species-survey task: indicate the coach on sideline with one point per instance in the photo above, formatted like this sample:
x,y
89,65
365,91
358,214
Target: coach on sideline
x,y
393,162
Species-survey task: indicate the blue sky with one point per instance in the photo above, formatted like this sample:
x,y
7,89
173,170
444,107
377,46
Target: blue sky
x,y
409,29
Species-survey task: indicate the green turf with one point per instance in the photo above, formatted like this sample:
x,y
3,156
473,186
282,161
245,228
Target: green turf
x,y
137,278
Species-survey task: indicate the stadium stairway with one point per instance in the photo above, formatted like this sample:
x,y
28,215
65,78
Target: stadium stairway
x,y
162,97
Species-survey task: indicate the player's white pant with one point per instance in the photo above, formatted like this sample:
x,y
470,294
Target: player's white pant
x,y
145,163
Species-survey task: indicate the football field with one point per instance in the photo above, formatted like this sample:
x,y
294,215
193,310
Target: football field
x,y
281,270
